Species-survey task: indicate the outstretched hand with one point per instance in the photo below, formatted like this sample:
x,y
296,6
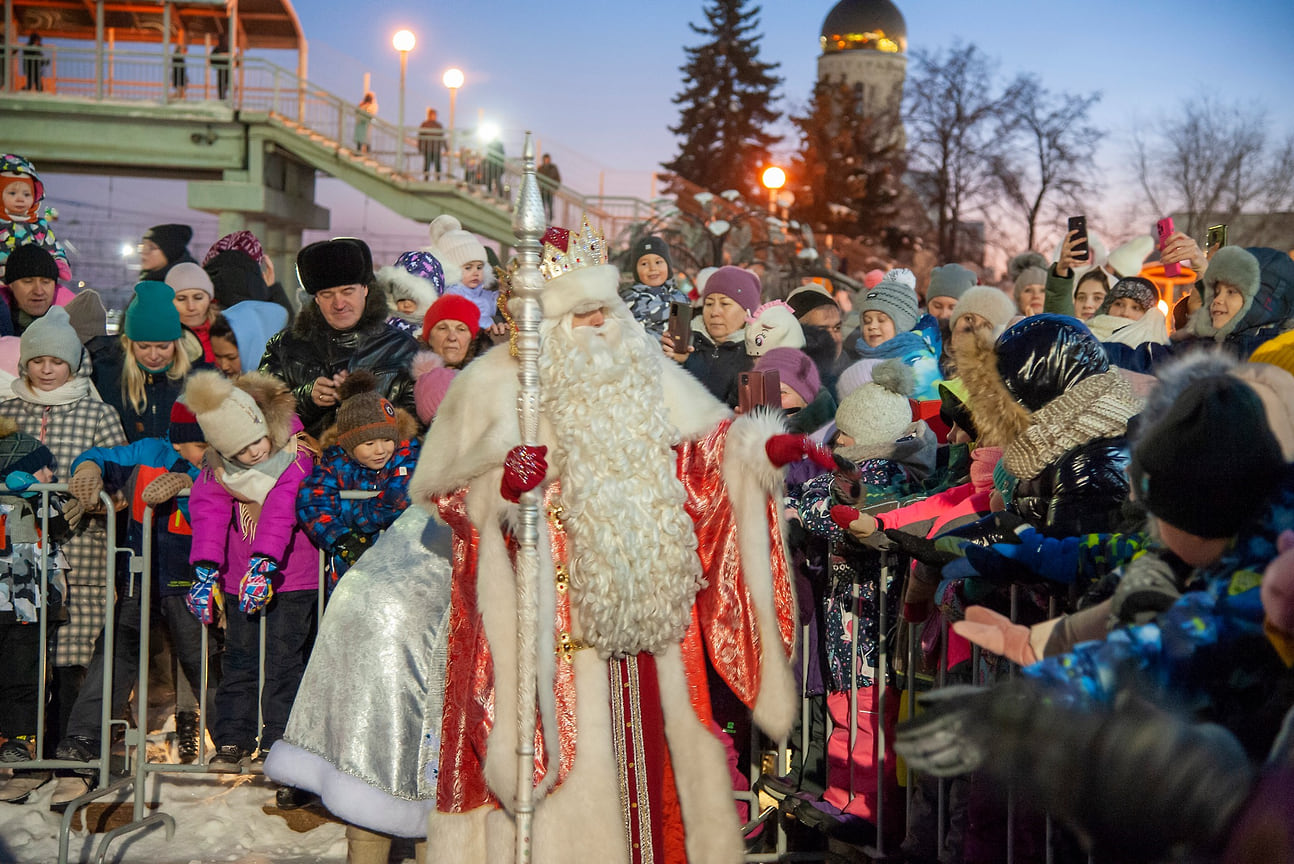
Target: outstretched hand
x,y
997,634
782,450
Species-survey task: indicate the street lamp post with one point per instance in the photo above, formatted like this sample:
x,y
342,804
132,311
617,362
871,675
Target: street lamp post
x,y
403,41
773,178
453,79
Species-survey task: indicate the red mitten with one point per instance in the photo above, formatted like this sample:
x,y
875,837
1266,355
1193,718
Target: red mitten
x,y
996,633
523,470
782,450
844,515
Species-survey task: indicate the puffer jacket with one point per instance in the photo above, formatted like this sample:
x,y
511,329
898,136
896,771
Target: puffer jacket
x,y
719,366
155,420
311,349
1082,488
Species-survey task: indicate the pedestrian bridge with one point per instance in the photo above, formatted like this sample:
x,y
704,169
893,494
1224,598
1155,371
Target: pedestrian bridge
x,y
251,154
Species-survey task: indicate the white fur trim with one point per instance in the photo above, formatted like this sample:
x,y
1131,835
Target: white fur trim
x,y
459,836
597,284
477,425
400,284
751,479
700,771
345,795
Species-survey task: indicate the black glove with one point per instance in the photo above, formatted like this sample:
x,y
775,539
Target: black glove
x,y
351,546
1135,779
932,553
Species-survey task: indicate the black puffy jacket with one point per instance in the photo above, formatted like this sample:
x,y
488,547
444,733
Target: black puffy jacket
x,y
311,349
718,366
1082,491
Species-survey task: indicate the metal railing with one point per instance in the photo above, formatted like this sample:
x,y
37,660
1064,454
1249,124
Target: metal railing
x,y
256,85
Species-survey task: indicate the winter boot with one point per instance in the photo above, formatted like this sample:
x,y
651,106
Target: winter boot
x,y
188,732
366,847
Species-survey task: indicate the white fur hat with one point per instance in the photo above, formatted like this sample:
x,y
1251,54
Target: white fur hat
x,y
773,325
580,290
229,416
1127,259
452,245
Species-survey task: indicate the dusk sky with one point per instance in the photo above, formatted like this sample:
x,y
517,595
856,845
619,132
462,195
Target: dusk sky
x,y
594,81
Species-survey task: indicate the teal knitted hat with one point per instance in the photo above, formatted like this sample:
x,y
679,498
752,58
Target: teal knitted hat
x,y
151,315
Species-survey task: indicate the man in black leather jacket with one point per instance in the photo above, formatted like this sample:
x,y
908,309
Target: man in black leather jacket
x,y
342,330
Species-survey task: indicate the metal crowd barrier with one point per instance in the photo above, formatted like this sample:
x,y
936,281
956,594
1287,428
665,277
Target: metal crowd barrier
x,y
136,739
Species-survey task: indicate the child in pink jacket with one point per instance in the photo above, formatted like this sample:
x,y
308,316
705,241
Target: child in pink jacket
x,y
250,555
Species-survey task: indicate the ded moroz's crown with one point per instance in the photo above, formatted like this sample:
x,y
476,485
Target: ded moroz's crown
x,y
564,251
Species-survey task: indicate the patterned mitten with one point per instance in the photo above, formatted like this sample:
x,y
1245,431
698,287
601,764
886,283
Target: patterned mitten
x,y
255,591
201,599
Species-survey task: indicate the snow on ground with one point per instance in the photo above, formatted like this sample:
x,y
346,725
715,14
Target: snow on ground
x,y
218,818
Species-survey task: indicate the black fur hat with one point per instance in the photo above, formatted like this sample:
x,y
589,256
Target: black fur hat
x,y
330,263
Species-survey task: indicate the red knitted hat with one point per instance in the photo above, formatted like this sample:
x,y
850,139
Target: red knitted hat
x,y
452,307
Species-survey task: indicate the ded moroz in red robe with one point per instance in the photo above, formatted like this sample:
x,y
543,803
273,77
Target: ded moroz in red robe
x,y
641,775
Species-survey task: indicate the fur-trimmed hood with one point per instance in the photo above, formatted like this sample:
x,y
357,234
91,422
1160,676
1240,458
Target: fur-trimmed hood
x,y
310,320
1236,267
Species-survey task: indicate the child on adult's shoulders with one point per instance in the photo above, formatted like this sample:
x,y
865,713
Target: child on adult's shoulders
x,y
654,289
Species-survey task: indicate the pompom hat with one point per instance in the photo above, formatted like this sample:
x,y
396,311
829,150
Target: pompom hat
x,y
364,414
878,412
452,245
230,419
896,296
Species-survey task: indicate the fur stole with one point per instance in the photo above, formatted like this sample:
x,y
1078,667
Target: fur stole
x,y
476,425
1094,408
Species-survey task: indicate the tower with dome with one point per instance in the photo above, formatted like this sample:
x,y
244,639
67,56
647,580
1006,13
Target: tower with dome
x,y
864,44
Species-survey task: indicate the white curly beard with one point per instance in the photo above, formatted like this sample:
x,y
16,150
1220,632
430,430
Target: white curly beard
x,y
633,562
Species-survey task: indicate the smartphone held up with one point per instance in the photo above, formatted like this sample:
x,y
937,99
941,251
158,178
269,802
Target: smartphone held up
x,y
1082,249
759,388
1164,230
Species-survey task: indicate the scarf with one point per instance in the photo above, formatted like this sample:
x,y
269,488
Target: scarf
x,y
1151,327
900,346
1094,408
252,484
74,390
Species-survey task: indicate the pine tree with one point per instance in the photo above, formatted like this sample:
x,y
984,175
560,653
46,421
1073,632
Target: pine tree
x,y
850,165
727,103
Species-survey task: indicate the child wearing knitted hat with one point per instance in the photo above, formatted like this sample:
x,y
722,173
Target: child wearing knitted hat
x,y
22,221
888,314
463,258
151,472
372,448
247,545
653,290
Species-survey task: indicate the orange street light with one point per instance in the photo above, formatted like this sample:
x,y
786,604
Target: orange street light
x,y
773,178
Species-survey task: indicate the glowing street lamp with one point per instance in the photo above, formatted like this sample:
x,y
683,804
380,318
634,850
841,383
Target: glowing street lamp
x,y
453,79
773,178
403,41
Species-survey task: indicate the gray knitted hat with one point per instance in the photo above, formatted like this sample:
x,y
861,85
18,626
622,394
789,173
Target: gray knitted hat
x,y
896,296
51,335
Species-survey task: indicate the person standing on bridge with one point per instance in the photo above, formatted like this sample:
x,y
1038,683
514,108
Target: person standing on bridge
x,y
179,71
549,179
431,143
34,62
220,62
363,117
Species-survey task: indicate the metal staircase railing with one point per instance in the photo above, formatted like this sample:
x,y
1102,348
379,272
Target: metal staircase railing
x,y
258,86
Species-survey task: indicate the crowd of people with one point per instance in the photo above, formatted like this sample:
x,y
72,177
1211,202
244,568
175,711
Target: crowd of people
x,y
1085,473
